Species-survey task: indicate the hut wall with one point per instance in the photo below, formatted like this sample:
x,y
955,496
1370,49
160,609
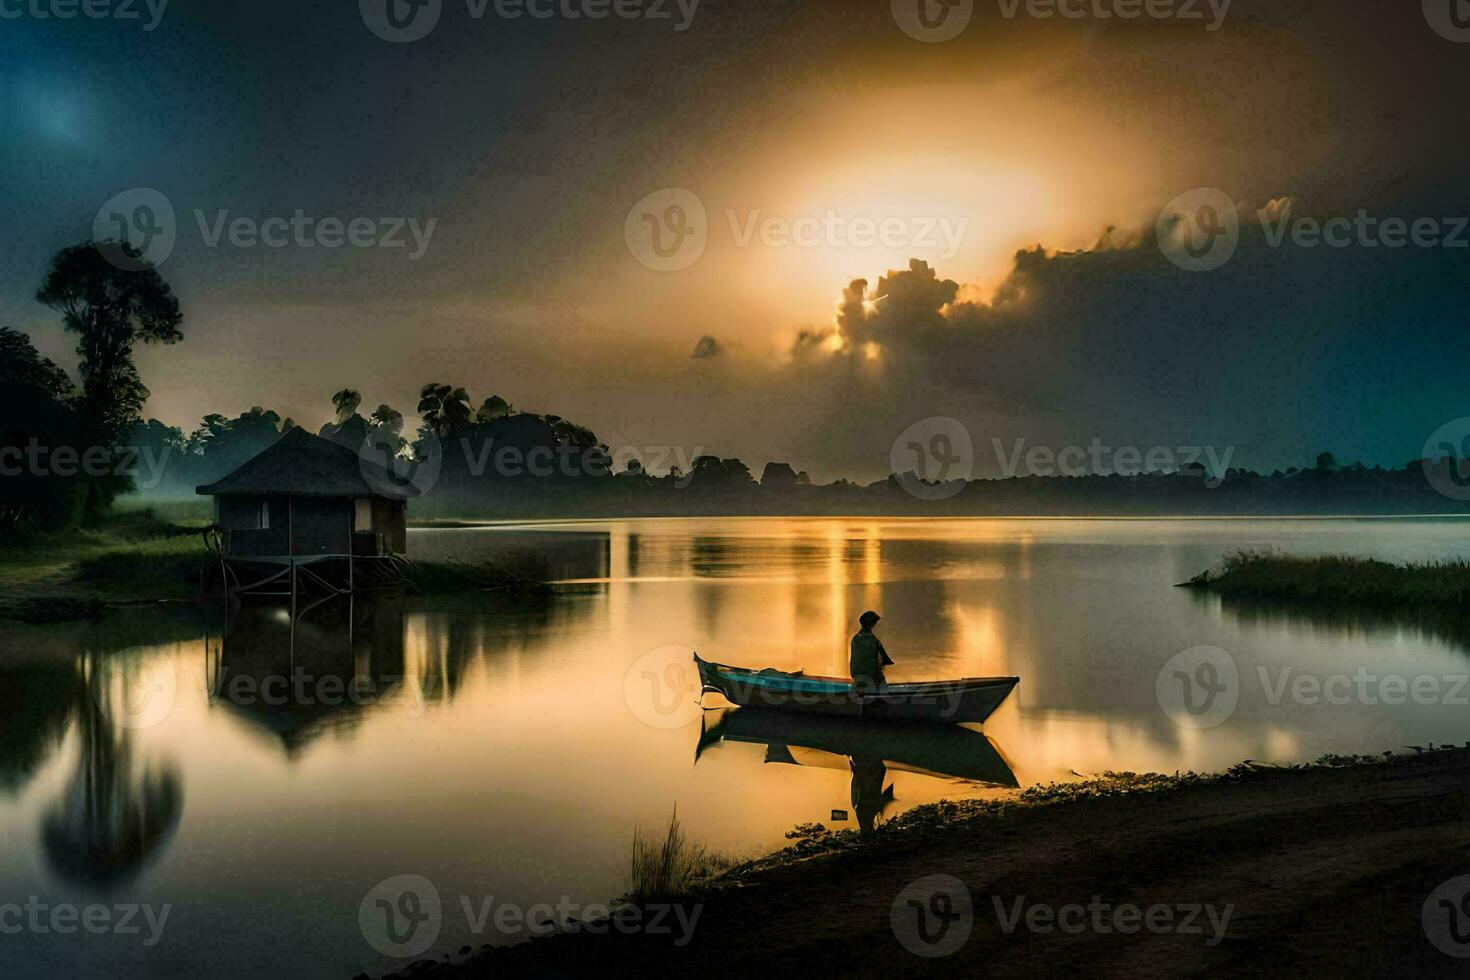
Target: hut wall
x,y
240,516
390,519
321,525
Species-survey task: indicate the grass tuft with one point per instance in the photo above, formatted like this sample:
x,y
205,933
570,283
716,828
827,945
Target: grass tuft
x,y
668,865
1337,579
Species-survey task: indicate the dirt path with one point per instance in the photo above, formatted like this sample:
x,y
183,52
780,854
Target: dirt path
x,y
1321,870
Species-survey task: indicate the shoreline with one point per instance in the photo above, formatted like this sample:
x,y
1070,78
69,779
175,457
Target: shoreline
x,y
1325,867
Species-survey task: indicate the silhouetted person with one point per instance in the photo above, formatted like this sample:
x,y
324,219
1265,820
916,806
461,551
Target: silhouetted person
x,y
868,656
868,795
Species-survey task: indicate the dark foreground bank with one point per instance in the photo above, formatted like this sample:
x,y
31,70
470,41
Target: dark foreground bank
x,y
1318,870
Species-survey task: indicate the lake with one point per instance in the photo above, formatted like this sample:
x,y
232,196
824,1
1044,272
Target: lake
x,y
259,776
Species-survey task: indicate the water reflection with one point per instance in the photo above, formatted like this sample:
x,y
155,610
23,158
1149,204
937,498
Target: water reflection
x,y
120,807
35,708
296,679
1451,627
867,749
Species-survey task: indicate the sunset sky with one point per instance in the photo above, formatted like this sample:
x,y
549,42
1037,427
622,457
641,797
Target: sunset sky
x,y
527,142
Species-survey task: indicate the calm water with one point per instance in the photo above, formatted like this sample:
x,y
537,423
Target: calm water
x,y
509,751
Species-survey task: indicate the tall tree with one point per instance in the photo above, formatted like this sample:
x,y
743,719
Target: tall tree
x,y
36,406
111,310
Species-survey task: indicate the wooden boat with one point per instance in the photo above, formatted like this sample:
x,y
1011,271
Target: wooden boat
x,y
835,742
969,699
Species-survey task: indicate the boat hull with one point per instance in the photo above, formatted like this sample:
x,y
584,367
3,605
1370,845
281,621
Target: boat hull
x,y
969,699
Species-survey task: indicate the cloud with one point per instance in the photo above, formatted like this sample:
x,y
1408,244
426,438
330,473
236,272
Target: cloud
x,y
1281,352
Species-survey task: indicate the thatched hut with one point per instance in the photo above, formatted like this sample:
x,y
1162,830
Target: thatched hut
x,y
305,500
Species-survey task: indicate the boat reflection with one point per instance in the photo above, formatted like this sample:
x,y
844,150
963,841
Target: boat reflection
x,y
867,749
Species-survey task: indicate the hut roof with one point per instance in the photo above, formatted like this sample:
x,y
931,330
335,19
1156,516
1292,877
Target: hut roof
x,y
303,465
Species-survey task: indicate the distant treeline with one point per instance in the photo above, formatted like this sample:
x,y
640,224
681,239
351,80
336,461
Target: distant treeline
x,y
495,462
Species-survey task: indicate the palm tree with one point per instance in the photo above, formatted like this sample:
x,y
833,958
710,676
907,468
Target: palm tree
x,y
443,408
387,428
494,408
346,402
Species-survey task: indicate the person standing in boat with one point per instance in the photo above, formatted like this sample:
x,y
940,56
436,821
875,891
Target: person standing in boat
x,y
868,657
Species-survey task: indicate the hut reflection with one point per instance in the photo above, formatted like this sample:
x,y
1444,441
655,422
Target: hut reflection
x,y
297,679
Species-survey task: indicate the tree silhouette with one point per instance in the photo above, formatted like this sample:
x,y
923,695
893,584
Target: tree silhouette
x,y
444,408
111,309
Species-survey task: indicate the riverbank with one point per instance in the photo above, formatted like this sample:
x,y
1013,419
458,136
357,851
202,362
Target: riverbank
x,y
139,558
1324,869
1338,580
